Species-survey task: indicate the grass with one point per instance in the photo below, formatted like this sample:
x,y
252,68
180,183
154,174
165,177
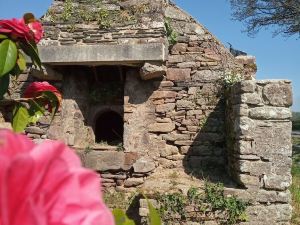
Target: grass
x,y
295,188
296,120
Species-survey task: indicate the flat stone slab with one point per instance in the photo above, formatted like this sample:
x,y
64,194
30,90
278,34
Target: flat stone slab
x,y
102,54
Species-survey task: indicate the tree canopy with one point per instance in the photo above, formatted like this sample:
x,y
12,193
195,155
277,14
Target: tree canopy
x,y
283,15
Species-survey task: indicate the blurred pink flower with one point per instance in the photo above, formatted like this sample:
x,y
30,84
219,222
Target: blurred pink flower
x,y
35,89
46,185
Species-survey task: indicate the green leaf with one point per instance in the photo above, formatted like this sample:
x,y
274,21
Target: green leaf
x,y
21,62
31,50
35,111
53,100
4,83
154,216
20,118
2,37
121,218
8,56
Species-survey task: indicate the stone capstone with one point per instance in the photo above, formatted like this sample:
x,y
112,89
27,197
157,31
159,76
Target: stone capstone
x,y
93,54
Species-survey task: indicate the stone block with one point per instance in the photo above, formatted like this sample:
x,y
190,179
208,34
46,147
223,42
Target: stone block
x,y
175,74
278,94
89,54
179,48
175,58
254,168
105,160
245,147
251,99
270,113
133,182
35,130
161,127
244,126
248,181
163,94
165,108
245,86
169,150
130,158
265,196
240,110
267,215
206,76
185,104
144,165
175,137
150,71
277,182
273,138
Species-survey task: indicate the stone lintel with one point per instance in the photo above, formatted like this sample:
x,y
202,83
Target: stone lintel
x,y
102,54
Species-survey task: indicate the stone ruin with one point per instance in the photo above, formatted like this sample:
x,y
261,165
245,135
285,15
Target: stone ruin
x,y
144,104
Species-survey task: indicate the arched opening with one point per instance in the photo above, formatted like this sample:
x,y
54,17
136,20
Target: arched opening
x,y
109,128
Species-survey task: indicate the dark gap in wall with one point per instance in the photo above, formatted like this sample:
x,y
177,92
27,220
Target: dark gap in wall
x,y
109,128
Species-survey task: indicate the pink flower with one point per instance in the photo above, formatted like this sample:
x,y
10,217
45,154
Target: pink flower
x,y
18,29
46,185
37,29
35,89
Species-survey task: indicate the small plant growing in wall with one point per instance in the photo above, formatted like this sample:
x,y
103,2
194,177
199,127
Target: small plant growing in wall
x,y
232,77
212,199
171,33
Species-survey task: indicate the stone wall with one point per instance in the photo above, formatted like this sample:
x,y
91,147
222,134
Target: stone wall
x,y
179,126
74,22
259,147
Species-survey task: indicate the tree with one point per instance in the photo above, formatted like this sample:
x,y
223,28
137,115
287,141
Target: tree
x,y
284,15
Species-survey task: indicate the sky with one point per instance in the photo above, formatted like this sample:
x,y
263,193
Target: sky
x,y
277,57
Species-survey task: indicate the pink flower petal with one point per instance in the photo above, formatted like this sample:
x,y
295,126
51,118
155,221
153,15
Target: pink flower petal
x,y
46,185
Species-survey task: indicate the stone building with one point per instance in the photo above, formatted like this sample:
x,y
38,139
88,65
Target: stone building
x,y
145,103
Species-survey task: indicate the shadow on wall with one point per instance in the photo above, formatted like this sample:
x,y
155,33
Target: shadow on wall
x,y
206,158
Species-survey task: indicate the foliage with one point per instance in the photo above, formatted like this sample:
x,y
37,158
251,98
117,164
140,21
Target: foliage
x,y
231,78
73,13
212,199
257,14
172,203
154,217
235,208
295,187
19,36
296,120
121,218
171,33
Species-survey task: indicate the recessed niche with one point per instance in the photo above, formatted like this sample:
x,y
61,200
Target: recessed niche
x,y
109,128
